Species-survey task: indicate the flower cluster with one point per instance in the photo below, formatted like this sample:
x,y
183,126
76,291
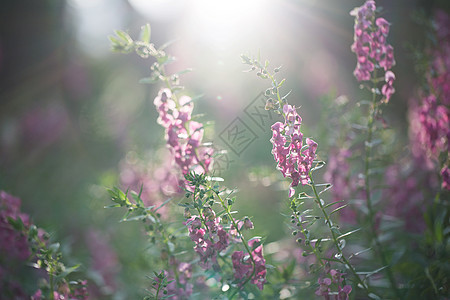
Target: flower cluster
x,y
432,130
184,136
371,48
210,241
430,118
12,243
294,160
183,288
158,181
325,285
20,242
242,264
64,292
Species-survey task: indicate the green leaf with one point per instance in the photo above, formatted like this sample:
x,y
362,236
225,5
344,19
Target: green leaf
x,y
54,247
135,218
348,233
165,60
368,274
167,44
285,96
112,205
360,252
137,199
304,195
281,83
338,209
67,271
332,203
148,80
188,205
125,216
318,166
216,178
124,36
164,203
145,33
17,223
373,296
335,230
188,70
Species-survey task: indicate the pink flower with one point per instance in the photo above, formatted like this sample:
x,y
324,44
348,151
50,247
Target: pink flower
x,y
387,90
445,174
243,268
184,136
13,244
181,288
287,148
327,285
371,48
324,287
209,241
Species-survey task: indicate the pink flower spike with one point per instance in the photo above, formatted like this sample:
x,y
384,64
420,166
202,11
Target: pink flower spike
x,y
383,25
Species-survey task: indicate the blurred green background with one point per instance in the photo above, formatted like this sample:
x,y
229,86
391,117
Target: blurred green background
x,y
70,110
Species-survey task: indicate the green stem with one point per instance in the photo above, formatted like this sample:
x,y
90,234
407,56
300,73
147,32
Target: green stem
x,y
243,240
52,295
368,152
335,238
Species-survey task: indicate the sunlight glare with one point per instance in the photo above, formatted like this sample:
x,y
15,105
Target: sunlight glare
x,y
218,22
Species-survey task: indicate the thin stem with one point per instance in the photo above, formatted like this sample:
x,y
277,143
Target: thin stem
x,y
52,295
335,238
157,291
243,240
368,152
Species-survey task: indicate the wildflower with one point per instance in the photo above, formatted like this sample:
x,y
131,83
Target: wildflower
x,y
180,288
243,268
293,159
13,244
372,51
328,286
324,287
209,241
387,90
184,136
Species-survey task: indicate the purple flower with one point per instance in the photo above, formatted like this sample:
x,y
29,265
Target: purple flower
x,y
13,244
287,148
181,288
243,268
209,241
327,286
387,90
372,51
430,128
445,174
184,136
324,287
344,292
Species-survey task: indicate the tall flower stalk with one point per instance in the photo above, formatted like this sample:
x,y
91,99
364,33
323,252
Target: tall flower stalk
x,y
194,159
374,55
298,162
